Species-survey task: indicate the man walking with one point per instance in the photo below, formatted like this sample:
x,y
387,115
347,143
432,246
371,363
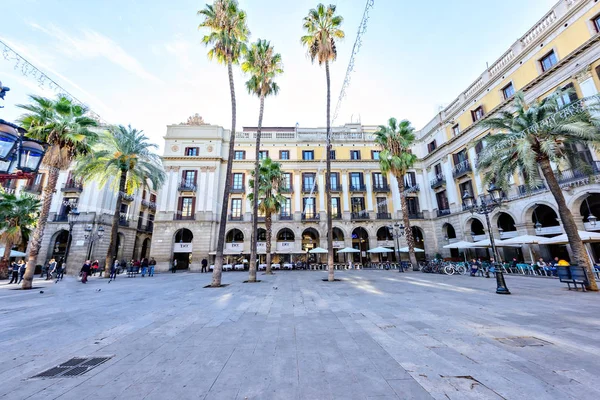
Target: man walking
x,y
204,264
14,273
85,271
144,266
50,268
22,267
60,269
151,265
113,271
174,266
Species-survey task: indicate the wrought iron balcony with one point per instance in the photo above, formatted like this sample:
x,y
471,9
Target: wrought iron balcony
x,y
285,217
438,181
523,190
382,188
358,188
150,204
72,186
384,216
443,212
236,217
336,216
127,197
123,222
286,189
461,169
335,188
34,188
309,188
577,174
179,217
361,215
186,187
61,218
416,215
311,217
412,188
237,189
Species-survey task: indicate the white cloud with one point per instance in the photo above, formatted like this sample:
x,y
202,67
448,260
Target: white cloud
x,y
91,44
180,49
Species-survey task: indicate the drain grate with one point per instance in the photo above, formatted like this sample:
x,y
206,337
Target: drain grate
x,y
76,366
523,341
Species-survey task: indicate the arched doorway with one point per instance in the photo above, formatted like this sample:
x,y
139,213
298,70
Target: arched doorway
x,y
591,206
310,240
182,248
449,235
546,223
419,237
285,244
60,245
360,241
507,230
477,229
261,245
145,248
338,243
385,235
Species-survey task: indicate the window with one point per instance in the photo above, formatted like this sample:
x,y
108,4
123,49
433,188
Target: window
x,y
236,208
308,181
189,178
382,207
442,200
412,206
477,114
508,91
335,207
456,130
286,181
334,180
479,147
186,207
568,96
332,154
459,157
238,181
356,180
150,223
239,155
153,198
379,181
284,155
191,151
410,179
597,23
263,154
68,204
358,204
431,146
309,207
375,154
548,61
466,186
286,207
355,154
308,155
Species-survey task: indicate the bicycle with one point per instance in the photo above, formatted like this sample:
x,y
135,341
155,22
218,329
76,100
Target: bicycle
x,y
452,269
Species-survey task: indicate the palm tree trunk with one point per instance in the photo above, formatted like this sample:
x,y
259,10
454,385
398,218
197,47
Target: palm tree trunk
x,y
253,236
36,239
410,240
217,271
568,222
330,276
5,261
111,254
268,223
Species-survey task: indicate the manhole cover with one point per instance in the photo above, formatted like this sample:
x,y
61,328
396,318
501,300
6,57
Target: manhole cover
x,y
523,341
76,366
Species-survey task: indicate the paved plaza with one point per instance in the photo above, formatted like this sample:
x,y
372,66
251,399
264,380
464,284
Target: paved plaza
x,y
374,335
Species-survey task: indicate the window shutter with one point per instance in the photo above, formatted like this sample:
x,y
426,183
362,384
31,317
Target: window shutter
x,y
193,206
180,205
195,178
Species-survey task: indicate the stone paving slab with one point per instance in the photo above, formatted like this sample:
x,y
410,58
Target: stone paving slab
x,y
374,335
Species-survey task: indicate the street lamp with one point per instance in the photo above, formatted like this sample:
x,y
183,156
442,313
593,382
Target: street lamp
x,y
485,207
397,231
19,156
73,217
93,237
591,217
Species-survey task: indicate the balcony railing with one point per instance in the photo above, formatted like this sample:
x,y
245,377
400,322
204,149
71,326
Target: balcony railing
x,y
72,186
186,187
309,188
286,189
36,189
443,212
523,190
311,217
361,215
61,218
358,188
236,217
336,216
412,188
149,204
438,181
285,217
415,215
123,222
237,189
462,168
179,217
127,197
335,188
381,188
577,174
384,216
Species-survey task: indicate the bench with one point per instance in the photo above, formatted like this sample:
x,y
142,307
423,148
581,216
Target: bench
x,y
573,275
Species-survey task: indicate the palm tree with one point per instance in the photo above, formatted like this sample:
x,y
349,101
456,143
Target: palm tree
x,y
126,154
66,127
322,30
263,65
227,37
269,199
519,148
18,214
395,141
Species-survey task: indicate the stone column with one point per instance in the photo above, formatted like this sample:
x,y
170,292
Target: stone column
x,y
297,196
451,188
345,192
211,206
367,175
203,190
477,177
393,182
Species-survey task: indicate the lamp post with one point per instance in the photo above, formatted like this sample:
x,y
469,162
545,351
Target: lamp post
x,y
397,232
591,217
93,238
73,217
486,205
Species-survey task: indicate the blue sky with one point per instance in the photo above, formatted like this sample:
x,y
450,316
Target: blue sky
x,y
142,62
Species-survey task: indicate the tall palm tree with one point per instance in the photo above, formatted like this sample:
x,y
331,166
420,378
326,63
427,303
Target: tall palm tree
x,y
18,215
395,141
322,28
263,65
517,148
269,198
227,38
126,154
66,127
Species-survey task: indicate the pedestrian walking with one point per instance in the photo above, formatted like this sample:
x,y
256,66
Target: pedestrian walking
x,y
151,265
113,271
85,271
94,268
130,269
60,269
174,266
14,273
204,265
136,266
144,266
22,267
51,266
